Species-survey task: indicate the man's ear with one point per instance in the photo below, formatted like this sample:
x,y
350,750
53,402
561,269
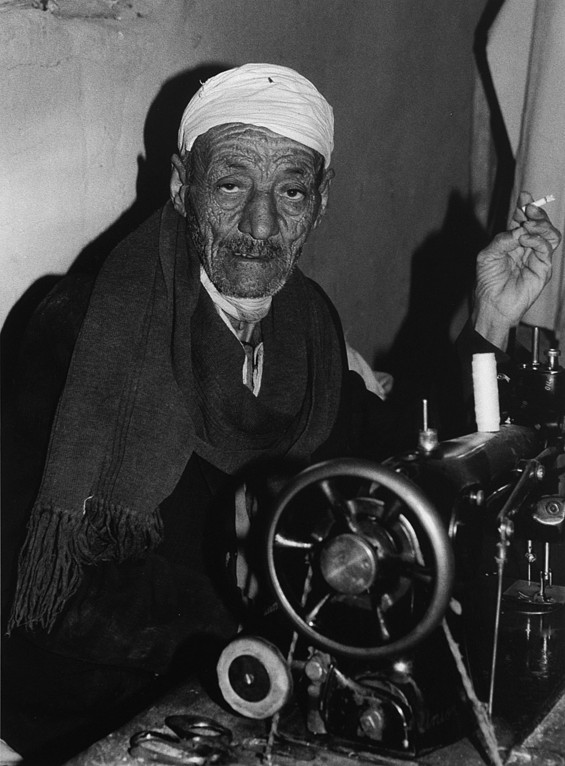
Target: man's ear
x,y
324,190
178,183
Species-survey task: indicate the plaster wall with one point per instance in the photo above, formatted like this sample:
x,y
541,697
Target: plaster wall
x,y
88,87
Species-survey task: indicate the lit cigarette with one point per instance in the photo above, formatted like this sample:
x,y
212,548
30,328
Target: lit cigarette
x,y
541,202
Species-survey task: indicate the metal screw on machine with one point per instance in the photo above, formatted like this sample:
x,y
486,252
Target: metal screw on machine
x,y
372,723
428,440
475,497
550,511
553,358
530,557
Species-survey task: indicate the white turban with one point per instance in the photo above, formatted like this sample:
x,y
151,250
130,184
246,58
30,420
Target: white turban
x,y
265,95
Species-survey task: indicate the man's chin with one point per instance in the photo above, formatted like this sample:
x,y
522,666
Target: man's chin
x,y
243,284
251,291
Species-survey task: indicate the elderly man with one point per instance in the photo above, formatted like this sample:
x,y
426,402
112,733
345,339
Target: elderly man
x,y
204,359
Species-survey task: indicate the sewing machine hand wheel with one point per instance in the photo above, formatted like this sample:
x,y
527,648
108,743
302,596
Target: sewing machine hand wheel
x,y
359,559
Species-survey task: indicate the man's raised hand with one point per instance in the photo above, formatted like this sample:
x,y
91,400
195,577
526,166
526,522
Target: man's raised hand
x,y
513,270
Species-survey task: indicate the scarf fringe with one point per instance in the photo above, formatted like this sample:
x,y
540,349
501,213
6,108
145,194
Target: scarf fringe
x,y
60,544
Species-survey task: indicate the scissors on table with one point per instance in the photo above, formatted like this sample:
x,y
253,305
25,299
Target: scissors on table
x,y
199,741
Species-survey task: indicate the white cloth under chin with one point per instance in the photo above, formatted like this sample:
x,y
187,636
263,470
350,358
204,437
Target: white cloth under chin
x,y
8,756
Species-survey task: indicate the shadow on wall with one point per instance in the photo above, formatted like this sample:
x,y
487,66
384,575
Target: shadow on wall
x,y
423,357
152,189
503,180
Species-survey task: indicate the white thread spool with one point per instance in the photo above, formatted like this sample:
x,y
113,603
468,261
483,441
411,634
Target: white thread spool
x,y
485,387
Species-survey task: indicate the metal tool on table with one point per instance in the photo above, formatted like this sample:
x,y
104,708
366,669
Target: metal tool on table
x,y
194,740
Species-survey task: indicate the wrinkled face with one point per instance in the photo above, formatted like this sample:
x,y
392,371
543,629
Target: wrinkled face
x,y
252,199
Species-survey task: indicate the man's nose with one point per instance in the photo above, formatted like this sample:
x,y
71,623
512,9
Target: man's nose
x,y
259,219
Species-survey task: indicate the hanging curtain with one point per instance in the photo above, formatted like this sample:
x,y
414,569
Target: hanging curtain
x,y
526,56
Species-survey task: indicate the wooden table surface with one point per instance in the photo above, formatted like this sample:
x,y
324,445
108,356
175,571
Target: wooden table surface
x,y
545,747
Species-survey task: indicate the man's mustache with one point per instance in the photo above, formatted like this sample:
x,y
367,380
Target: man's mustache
x,y
252,248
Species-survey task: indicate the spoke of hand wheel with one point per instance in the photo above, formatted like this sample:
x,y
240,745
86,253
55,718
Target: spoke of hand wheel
x,y
382,623
393,511
338,504
422,574
313,613
285,542
373,487
409,567
417,571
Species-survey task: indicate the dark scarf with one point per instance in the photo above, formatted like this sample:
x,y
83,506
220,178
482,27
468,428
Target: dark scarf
x,y
156,376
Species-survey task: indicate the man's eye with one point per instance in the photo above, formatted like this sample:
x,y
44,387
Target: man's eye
x,y
294,194
228,187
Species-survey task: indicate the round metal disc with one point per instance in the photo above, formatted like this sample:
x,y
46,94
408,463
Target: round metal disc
x,y
254,677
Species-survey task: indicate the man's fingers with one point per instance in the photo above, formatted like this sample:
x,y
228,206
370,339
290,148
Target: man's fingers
x,y
524,198
539,244
545,229
506,241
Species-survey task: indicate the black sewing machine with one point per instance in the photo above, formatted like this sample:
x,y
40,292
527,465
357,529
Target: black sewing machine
x,y
415,600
